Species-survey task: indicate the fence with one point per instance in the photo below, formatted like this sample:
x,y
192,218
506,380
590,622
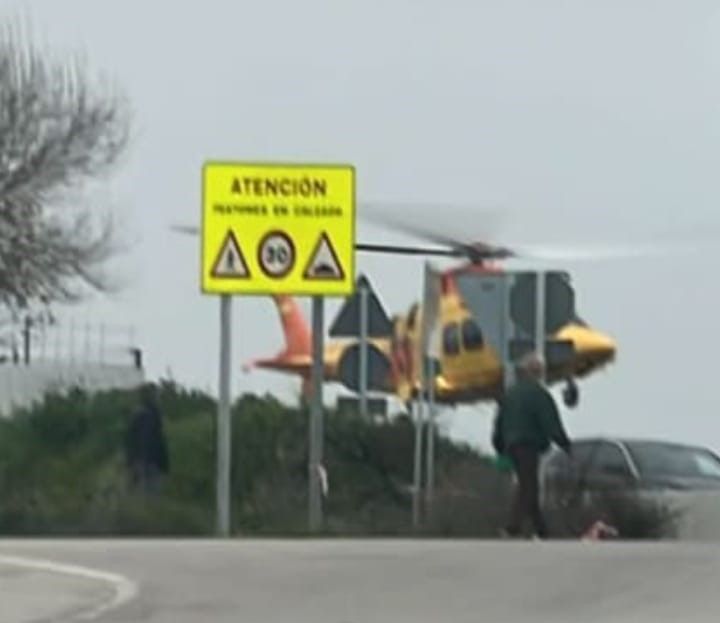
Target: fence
x,y
71,342
39,356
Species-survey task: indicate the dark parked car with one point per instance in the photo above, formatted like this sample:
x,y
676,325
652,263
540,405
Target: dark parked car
x,y
652,468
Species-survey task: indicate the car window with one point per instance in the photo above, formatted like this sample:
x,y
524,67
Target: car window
x,y
669,460
610,460
558,465
708,465
584,452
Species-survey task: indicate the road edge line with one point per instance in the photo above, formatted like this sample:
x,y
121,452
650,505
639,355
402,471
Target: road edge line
x,y
125,589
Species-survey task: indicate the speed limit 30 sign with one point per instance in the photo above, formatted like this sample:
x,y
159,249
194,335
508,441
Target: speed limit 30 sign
x,y
276,254
278,229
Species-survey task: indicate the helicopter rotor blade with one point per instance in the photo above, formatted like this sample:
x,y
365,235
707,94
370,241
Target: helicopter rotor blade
x,y
401,250
622,238
190,230
601,253
433,222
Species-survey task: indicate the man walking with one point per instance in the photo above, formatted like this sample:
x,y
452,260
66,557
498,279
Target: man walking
x,y
527,422
146,447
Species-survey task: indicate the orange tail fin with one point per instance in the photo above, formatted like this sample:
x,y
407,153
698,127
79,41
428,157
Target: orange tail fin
x,y
296,357
298,340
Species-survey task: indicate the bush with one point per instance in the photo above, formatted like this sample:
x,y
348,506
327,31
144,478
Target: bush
x,y
472,500
62,468
63,472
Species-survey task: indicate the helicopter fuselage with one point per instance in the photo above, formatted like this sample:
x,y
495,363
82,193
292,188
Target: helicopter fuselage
x,y
468,370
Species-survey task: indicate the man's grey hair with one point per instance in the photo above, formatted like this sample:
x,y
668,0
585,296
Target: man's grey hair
x,y
532,364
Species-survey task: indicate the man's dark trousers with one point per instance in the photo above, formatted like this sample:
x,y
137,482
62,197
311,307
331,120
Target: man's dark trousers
x,y
526,504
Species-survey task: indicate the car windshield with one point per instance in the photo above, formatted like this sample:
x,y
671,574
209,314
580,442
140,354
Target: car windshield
x,y
656,459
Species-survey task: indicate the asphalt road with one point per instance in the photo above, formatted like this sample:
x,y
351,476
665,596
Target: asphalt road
x,y
359,581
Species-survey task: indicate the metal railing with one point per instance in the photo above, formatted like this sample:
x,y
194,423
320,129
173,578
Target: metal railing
x,y
42,338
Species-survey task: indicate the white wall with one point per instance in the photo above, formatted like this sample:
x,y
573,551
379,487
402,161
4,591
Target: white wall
x,y
21,385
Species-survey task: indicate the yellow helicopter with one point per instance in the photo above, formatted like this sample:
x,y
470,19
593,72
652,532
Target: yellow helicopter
x,y
468,368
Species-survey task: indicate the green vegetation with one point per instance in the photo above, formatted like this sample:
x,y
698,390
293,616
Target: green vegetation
x,y
63,472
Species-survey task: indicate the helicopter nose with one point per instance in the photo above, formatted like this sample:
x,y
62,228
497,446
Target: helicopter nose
x,y
590,345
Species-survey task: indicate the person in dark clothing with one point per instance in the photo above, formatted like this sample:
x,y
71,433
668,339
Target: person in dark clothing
x,y
527,422
145,444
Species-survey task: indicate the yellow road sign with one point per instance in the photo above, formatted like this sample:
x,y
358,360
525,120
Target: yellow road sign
x,y
278,229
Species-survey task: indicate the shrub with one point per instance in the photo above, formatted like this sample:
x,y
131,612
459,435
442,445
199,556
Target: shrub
x,y
472,500
62,471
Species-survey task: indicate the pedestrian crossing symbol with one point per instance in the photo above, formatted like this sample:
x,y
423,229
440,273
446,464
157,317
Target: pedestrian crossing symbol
x,y
230,262
324,262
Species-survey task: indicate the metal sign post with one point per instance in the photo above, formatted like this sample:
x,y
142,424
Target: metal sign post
x,y
508,334
224,424
417,411
432,292
315,511
430,447
363,350
540,317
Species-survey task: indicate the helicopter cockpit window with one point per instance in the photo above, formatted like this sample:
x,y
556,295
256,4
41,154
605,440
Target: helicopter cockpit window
x,y
471,335
451,339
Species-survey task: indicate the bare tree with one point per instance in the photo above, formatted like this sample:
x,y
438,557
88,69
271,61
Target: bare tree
x,y
57,132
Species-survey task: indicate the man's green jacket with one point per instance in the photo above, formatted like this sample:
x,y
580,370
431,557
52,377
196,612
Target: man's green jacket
x,y
527,414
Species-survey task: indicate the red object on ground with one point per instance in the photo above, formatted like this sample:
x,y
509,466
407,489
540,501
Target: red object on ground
x,y
600,531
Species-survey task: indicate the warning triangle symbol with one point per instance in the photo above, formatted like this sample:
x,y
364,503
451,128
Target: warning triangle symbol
x,y
324,263
230,262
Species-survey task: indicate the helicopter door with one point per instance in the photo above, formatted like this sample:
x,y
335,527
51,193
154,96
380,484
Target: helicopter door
x,y
452,352
474,355
484,296
450,342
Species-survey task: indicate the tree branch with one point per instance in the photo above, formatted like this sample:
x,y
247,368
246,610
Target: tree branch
x,y
57,131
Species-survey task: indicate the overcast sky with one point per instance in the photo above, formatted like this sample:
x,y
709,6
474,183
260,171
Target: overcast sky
x,y
573,116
